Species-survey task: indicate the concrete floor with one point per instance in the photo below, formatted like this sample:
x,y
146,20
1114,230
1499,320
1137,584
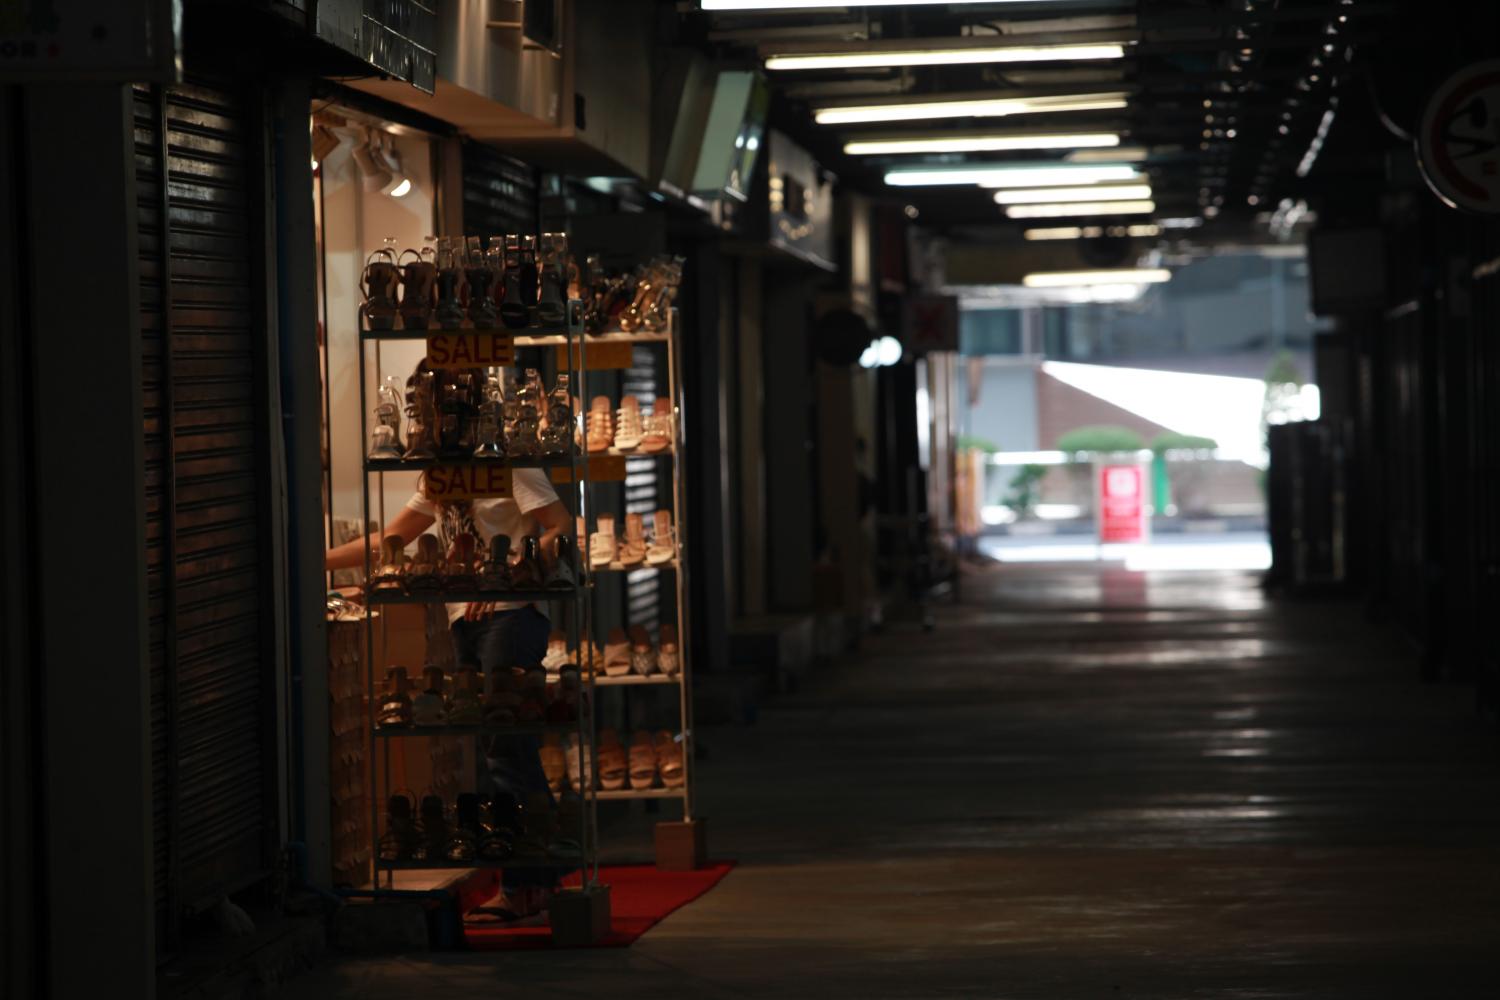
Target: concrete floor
x,y
1086,783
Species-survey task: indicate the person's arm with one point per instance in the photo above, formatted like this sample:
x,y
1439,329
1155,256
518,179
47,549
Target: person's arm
x,y
407,523
552,519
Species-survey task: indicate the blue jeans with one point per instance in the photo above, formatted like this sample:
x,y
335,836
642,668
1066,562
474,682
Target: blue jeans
x,y
510,639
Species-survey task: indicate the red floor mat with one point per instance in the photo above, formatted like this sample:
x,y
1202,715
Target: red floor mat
x,y
641,896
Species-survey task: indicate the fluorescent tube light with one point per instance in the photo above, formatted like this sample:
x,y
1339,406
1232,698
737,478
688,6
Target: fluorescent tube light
x,y
978,143
1091,232
1064,210
897,111
1113,276
752,5
1014,175
944,56
1094,192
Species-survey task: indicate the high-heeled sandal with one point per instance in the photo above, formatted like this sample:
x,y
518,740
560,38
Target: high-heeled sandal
x,y
499,823
602,542
564,571
418,277
433,829
616,654
466,707
628,427
656,427
463,842
642,761
399,841
430,707
601,427
612,761
642,653
633,549
388,575
663,547
378,283
646,288
423,572
458,570
580,764
667,657
395,702
669,760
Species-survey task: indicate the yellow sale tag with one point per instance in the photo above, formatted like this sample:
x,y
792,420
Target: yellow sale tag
x,y
470,349
601,356
467,482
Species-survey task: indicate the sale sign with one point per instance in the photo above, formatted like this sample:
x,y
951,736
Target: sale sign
x,y
480,481
470,350
1122,504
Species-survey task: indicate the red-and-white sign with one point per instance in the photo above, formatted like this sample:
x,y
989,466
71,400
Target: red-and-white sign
x,y
1122,504
1459,142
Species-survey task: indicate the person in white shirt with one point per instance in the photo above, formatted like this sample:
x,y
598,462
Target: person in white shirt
x,y
493,635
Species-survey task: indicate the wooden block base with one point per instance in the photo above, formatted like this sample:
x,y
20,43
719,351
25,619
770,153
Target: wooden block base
x,y
579,917
682,847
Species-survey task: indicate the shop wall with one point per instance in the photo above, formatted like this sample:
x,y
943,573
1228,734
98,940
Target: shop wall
x,y
355,222
788,451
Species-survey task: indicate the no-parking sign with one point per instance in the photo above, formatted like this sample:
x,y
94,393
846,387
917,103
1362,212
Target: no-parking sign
x,y
1459,142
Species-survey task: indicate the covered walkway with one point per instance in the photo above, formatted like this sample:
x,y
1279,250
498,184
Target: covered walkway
x,y
1087,783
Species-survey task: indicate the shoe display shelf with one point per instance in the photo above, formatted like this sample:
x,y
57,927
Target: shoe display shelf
x,y
570,603
679,844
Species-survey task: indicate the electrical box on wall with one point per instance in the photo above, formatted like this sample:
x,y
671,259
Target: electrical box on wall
x,y
799,203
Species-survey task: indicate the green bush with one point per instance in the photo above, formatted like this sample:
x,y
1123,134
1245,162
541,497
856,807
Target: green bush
x,y
970,442
1104,438
1025,490
1172,441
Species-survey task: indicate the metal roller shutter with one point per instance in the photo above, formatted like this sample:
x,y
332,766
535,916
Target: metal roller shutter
x,y
212,725
500,194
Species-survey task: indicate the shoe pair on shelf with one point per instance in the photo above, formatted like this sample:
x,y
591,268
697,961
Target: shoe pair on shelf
x,y
463,570
636,548
632,651
628,429
650,758
431,706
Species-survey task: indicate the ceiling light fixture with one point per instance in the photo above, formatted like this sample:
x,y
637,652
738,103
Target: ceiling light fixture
x,y
940,52
1014,175
992,143
1062,210
1113,276
905,111
1091,232
1093,192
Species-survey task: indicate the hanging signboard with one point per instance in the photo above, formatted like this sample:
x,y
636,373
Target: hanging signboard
x,y
467,349
105,40
1122,505
1458,145
446,483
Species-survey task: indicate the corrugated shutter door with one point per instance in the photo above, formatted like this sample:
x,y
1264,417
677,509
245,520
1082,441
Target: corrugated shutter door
x,y
500,194
211,737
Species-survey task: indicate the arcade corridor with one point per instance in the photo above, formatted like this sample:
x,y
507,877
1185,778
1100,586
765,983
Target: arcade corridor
x,y
1091,783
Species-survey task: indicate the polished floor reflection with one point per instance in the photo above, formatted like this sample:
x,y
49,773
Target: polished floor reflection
x,y
1086,783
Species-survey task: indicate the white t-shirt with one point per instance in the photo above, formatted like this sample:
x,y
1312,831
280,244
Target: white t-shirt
x,y
530,490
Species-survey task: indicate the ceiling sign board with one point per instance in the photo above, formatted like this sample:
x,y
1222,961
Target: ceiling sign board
x,y
1459,143
116,41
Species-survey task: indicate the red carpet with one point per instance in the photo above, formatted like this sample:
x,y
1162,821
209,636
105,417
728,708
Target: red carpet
x,y
641,896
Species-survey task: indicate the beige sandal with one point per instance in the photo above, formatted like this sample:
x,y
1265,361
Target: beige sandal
x,y
616,653
642,761
554,762
602,543
663,547
601,428
633,550
666,651
628,426
612,766
669,760
656,427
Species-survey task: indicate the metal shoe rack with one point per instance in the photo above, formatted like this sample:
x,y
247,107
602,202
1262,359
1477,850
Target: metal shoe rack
x,y
582,908
678,845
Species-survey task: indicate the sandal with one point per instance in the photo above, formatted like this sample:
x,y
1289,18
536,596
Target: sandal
x,y
602,542
463,844
395,704
422,572
479,277
513,311
667,656
663,547
501,701
656,427
642,761
554,763
612,763
564,572
616,654
498,824
557,436
387,578
494,573
601,428
433,830
421,416
430,708
385,436
399,841
551,309
633,550
580,765
646,288
378,284
527,572
418,276
628,427
557,652
458,571
466,708
669,760
642,653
